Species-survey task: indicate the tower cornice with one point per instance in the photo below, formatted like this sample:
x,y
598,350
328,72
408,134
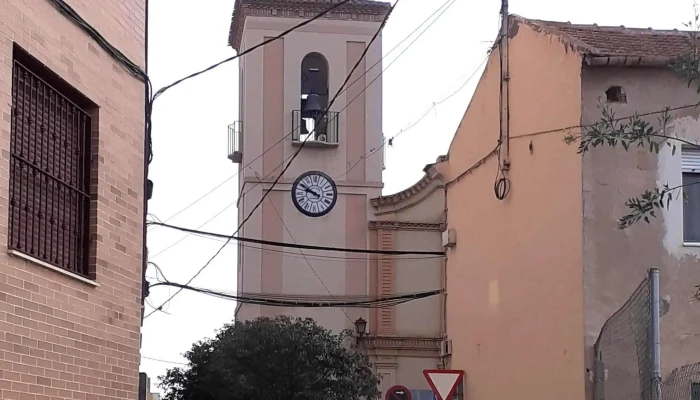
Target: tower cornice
x,y
355,10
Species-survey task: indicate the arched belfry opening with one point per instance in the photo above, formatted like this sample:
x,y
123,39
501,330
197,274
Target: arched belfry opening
x,y
314,95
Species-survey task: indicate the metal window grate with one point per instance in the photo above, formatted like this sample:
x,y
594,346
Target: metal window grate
x,y
49,174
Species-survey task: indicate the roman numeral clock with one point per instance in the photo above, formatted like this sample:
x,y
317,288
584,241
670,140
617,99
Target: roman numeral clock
x,y
314,194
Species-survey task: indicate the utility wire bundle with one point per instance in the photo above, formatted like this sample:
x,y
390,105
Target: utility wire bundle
x,y
301,147
299,245
281,300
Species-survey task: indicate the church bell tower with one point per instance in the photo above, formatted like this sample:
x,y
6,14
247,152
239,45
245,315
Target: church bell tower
x,y
323,198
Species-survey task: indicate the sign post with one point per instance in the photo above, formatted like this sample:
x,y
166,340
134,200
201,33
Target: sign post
x,y
444,382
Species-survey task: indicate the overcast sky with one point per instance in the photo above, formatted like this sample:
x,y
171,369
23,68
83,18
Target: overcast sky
x,y
190,122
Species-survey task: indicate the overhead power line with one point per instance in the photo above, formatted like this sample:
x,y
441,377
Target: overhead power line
x,y
149,105
563,129
301,147
247,51
447,3
390,140
327,258
164,361
306,259
301,246
276,300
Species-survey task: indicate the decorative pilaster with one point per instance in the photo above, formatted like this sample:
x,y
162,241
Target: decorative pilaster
x,y
386,271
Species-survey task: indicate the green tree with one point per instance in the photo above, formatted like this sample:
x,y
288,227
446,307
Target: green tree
x,y
273,359
636,132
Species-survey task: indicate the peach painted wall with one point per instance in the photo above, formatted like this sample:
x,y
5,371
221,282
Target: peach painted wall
x,y
514,279
270,94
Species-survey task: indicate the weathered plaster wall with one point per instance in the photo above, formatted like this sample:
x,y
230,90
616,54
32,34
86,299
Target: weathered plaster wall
x,y
615,261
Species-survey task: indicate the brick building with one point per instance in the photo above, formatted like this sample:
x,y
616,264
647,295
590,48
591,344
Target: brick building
x,y
71,198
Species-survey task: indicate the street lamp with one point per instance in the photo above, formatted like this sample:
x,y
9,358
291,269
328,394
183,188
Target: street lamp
x,y
360,328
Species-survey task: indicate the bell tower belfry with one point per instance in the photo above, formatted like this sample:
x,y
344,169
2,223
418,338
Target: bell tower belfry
x,y
323,199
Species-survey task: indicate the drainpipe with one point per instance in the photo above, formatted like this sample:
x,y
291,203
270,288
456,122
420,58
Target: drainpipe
x,y
655,334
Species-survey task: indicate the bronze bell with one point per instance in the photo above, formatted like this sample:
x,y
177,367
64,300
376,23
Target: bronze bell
x,y
312,108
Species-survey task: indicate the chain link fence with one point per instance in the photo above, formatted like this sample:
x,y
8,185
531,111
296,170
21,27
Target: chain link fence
x,y
682,384
623,364
627,353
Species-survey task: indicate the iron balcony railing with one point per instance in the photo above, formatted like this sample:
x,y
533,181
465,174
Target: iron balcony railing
x,y
323,131
235,141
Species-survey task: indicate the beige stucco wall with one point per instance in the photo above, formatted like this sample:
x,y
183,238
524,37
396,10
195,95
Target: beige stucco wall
x,y
514,282
404,340
61,337
270,94
615,261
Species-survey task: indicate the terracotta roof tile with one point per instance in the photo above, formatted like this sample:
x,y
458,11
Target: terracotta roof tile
x,y
606,41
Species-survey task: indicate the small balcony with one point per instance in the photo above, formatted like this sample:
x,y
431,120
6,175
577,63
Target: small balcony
x,y
323,133
235,142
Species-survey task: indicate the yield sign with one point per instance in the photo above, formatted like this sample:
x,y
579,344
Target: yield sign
x,y
444,382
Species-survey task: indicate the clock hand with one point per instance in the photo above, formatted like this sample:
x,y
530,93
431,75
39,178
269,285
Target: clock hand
x,y
307,190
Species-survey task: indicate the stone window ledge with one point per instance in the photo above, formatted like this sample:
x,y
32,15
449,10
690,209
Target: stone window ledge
x,y
44,264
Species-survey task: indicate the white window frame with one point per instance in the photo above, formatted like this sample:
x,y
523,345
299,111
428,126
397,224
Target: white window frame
x,y
690,164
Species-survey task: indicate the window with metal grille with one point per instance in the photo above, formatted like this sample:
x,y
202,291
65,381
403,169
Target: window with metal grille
x,y
49,170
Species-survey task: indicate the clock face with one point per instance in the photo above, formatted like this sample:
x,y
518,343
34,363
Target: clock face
x,y
314,194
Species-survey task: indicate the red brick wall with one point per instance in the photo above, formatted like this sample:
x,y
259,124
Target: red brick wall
x,y
61,338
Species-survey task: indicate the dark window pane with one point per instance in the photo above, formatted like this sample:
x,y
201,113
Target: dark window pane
x,y
691,208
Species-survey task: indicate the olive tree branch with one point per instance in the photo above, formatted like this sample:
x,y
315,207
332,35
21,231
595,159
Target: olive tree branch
x,y
645,205
630,132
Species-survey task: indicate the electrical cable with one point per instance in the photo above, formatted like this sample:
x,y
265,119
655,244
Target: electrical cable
x,y
572,127
198,200
372,151
302,246
327,257
72,15
390,141
501,185
247,51
164,361
450,2
185,237
306,259
364,157
564,129
301,147
297,301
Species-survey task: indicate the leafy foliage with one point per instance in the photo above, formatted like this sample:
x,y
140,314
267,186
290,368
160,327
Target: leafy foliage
x,y
273,359
636,131
626,132
632,132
